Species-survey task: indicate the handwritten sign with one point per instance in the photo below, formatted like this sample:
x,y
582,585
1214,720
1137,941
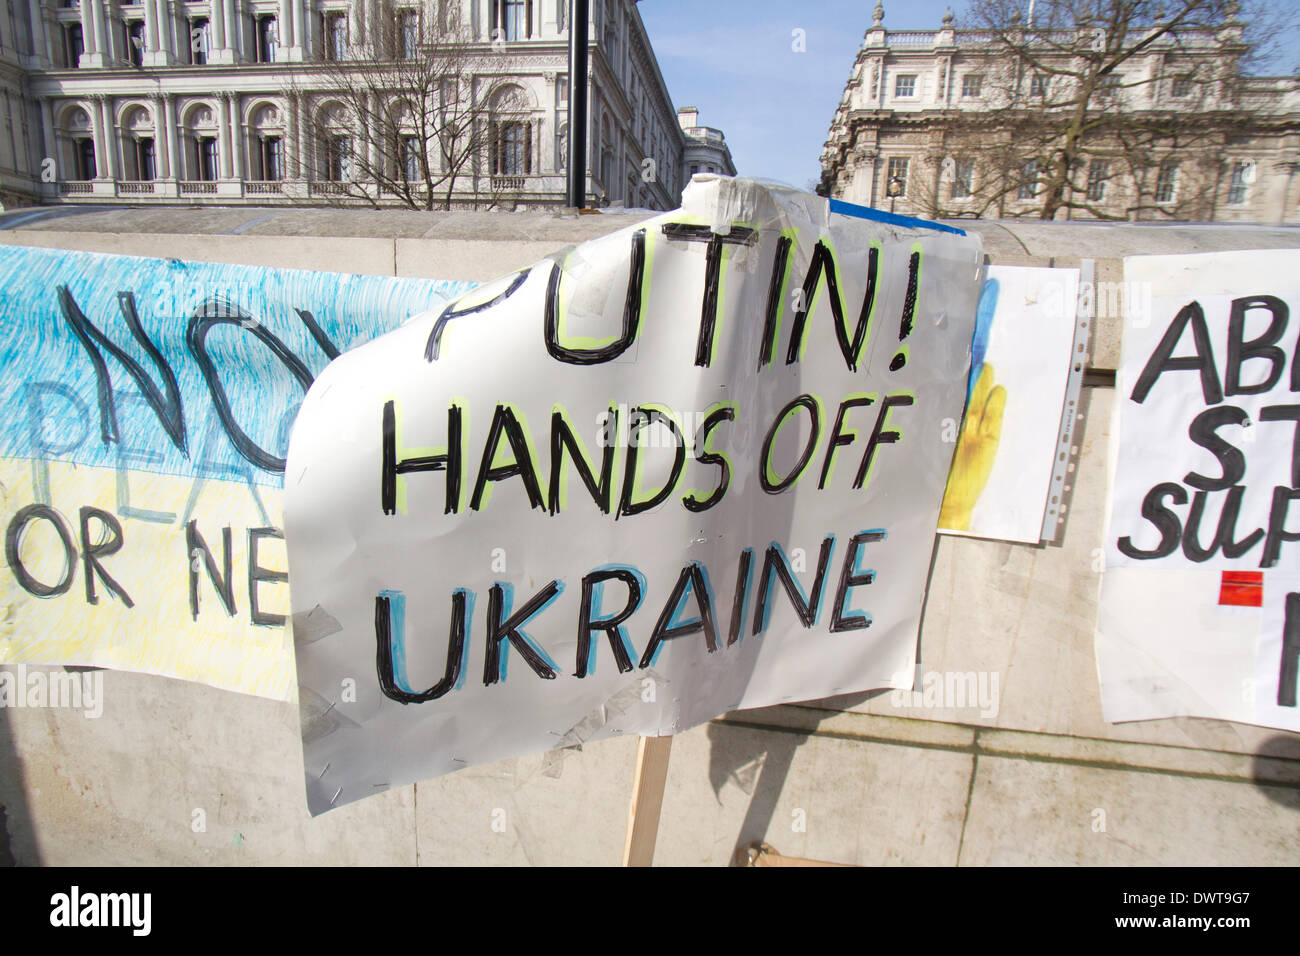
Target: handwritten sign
x,y
146,406
1200,610
691,466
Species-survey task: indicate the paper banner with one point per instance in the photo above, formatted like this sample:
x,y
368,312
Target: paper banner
x,y
691,466
1002,471
1200,608
146,407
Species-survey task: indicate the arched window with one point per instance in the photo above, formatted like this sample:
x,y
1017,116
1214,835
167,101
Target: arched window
x,y
334,146
405,154
76,145
266,144
202,154
511,146
139,162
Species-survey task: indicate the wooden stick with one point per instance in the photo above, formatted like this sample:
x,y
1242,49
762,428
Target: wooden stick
x,y
647,800
760,854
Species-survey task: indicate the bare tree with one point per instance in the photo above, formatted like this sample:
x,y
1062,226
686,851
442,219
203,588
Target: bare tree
x,y
397,115
1085,93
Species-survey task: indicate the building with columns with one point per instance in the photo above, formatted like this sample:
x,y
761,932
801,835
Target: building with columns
x,y
948,123
706,147
223,101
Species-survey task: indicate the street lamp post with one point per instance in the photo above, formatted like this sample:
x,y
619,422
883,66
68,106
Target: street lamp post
x,y
893,189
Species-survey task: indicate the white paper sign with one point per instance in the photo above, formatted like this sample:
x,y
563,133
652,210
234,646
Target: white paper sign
x,y
1202,545
1002,472
691,466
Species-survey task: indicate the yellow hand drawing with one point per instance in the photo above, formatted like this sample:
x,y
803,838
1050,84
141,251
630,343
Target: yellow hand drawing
x,y
977,446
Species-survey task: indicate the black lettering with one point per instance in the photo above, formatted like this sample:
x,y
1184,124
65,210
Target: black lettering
x,y
224,583
851,578
1162,360
13,542
165,402
691,576
562,437
839,437
504,421
631,314
92,552
1279,413
767,477
448,461
384,652
434,344
647,417
879,436
511,630
774,564
823,263
1166,522
1204,431
716,417
1227,528
196,336
612,626
1264,347
1277,533
257,574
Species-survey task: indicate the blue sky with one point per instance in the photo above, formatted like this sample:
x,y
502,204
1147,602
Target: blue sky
x,y
734,60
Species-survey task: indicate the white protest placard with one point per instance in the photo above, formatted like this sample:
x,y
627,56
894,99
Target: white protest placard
x,y
691,466
145,407
1198,611
1020,363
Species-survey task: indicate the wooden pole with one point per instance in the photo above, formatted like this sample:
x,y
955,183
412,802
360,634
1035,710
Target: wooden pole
x,y
647,799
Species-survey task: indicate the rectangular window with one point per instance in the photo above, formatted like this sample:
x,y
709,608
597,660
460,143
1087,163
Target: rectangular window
x,y
1111,83
963,180
1241,176
971,84
86,158
336,36
1028,181
409,158
272,158
268,39
1038,85
144,158
511,19
207,149
74,45
562,89
512,153
200,40
1167,183
1182,87
135,42
410,35
896,184
1098,173
905,84
338,158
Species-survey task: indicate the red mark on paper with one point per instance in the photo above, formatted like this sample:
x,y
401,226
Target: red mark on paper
x,y
1242,588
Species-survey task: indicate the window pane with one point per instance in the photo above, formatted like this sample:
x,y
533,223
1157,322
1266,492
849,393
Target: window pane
x,y
1098,172
1166,183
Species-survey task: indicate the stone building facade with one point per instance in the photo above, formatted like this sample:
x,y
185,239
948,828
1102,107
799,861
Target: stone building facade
x,y
220,101
946,124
